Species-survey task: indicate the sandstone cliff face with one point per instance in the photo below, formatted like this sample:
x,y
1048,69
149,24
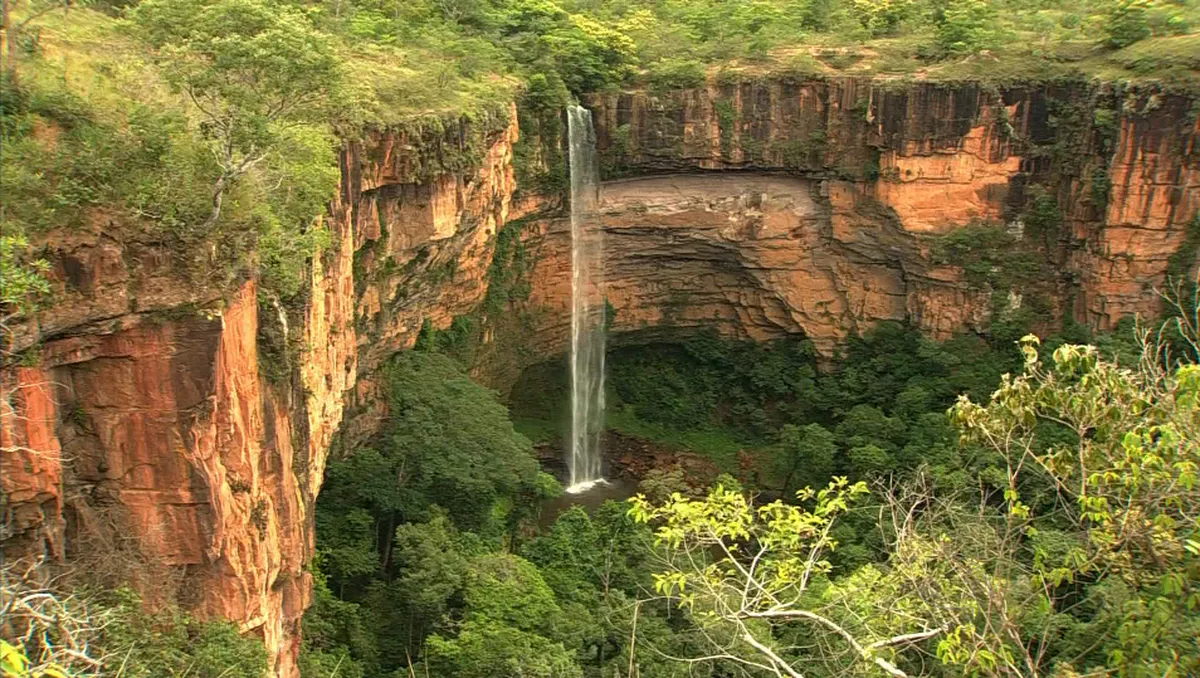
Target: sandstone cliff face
x,y
146,445
1155,194
1122,167
753,255
153,452
144,428
423,251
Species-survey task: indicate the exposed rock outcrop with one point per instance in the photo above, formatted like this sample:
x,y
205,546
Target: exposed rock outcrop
x,y
1122,164
754,256
148,446
164,460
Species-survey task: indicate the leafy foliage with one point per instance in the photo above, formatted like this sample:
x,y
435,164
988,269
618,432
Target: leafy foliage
x,y
885,399
965,26
24,280
558,46
1117,447
1126,22
396,558
447,438
259,76
970,556
99,137
485,649
58,633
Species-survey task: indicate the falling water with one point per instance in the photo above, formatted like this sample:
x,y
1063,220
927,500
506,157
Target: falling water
x,y
587,306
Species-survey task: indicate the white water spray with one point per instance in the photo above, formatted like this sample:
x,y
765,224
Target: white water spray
x,y
587,306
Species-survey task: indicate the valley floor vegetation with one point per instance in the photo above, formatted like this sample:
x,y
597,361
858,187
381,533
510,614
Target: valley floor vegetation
x,y
989,508
975,507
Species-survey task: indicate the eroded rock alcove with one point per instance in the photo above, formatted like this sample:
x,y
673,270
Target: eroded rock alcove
x,y
753,255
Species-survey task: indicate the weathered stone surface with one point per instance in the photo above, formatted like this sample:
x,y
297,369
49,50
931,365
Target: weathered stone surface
x,y
30,464
1155,195
169,455
937,156
423,255
147,443
754,256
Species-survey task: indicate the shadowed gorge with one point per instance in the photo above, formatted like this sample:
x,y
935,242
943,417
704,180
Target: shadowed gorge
x,y
292,384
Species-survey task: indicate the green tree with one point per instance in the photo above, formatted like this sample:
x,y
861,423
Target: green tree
x,y
339,637
254,71
1126,22
965,26
490,649
24,280
506,588
746,573
450,438
431,564
447,437
1119,448
881,17
808,451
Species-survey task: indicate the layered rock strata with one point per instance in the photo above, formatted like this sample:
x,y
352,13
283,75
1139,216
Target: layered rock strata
x,y
754,256
1121,164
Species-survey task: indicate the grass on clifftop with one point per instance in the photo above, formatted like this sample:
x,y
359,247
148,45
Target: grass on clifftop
x,y
1171,60
94,136
93,133
564,47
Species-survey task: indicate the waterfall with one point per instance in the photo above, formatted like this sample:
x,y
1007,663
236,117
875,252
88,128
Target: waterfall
x,y
587,305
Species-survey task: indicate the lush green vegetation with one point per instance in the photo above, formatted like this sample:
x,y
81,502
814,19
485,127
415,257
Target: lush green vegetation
x,y
586,45
1048,530
884,400
108,124
461,589
428,541
152,113
87,632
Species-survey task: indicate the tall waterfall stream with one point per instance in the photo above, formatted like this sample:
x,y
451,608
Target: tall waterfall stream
x,y
587,306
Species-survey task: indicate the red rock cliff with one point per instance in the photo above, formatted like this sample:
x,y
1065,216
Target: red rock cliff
x,y
148,446
1121,165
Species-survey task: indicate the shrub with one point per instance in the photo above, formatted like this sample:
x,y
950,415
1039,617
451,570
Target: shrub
x,y
676,73
1126,22
964,27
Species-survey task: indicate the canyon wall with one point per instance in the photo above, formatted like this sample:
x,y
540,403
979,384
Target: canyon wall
x,y
1121,163
175,429
144,437
755,256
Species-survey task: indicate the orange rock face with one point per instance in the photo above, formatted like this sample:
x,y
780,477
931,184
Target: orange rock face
x,y
1155,196
178,460
147,440
31,463
754,256
148,446
1123,173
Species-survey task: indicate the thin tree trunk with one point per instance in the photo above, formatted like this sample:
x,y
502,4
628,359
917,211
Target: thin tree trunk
x,y
6,47
387,544
218,197
788,481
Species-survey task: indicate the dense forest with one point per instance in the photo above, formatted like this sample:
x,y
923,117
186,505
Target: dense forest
x,y
844,518
994,504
